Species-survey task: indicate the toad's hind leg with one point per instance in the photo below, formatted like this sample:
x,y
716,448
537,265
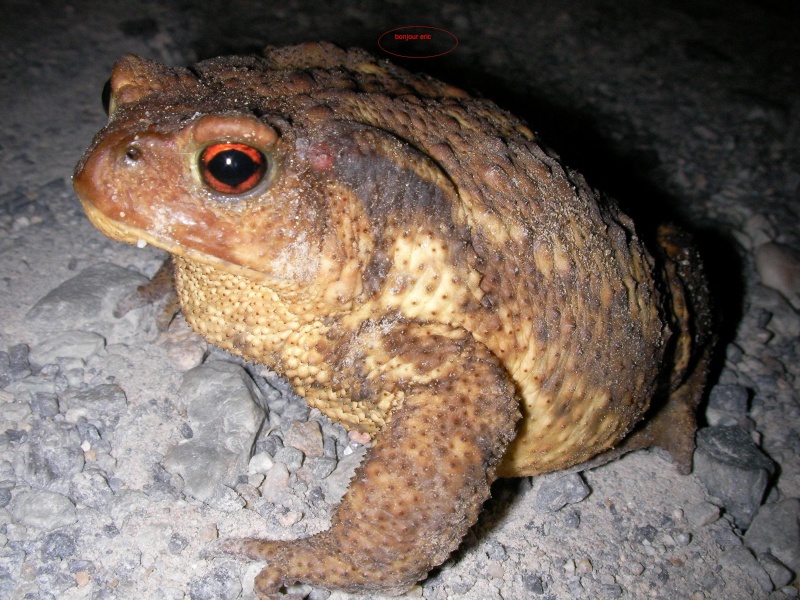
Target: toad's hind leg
x,y
423,482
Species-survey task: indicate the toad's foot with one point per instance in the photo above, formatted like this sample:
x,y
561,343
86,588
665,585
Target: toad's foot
x,y
421,485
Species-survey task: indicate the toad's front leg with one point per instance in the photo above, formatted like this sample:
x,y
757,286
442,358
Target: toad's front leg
x,y
422,483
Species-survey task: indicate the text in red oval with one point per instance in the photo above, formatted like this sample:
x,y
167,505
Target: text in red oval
x,y
417,41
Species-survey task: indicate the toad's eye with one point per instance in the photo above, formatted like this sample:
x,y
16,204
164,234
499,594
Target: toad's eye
x,y
232,168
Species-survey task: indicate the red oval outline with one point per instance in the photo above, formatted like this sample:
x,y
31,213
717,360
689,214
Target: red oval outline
x,y
417,27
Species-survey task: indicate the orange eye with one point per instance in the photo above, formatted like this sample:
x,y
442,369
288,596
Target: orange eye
x,y
232,168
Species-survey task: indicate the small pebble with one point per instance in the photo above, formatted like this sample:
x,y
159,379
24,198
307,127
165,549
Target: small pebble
x,y
702,514
741,557
260,463
359,437
19,367
220,583
82,579
634,568
306,437
533,583
495,569
732,468
44,405
209,533
558,490
779,268
58,545
67,344
289,518
177,543
90,488
776,530
610,591
584,566
777,571
256,479
730,398
43,509
275,483
7,476
322,467
291,457
249,493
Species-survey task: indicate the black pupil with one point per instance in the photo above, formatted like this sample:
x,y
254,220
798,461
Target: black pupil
x,y
105,96
232,167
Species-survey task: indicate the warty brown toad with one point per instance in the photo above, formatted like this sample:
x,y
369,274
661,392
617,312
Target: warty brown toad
x,y
419,268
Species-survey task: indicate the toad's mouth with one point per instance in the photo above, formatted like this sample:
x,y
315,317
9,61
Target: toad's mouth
x,y
122,232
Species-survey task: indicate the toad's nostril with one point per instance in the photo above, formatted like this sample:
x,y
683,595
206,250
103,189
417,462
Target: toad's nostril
x,y
132,153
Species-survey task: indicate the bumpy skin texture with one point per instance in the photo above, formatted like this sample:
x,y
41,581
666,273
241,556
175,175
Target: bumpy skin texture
x,y
419,268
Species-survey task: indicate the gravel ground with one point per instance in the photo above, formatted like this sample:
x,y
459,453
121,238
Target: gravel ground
x,y
682,110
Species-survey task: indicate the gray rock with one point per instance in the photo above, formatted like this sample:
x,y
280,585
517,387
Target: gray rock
x,y
776,570
260,463
14,365
759,229
44,405
226,500
783,322
533,583
741,557
91,489
225,420
68,344
306,437
78,564
270,443
322,467
177,543
702,514
16,412
43,509
319,594
729,398
106,401
18,365
779,268
25,388
291,457
223,583
58,545
50,457
776,530
203,465
295,410
89,298
733,469
5,369
7,476
221,401
557,490
186,431
125,502
276,483
609,591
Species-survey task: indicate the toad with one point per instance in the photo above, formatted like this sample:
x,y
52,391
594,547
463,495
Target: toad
x,y
419,268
